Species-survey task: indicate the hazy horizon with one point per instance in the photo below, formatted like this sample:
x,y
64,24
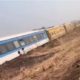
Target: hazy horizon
x,y
17,16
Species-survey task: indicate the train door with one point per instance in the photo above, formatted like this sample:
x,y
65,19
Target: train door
x,y
22,44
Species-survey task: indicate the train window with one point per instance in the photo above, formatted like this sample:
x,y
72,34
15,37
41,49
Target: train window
x,y
35,38
16,43
7,47
43,35
3,49
30,39
39,37
10,46
27,41
21,41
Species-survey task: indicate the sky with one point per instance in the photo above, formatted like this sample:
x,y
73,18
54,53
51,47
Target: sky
x,y
17,16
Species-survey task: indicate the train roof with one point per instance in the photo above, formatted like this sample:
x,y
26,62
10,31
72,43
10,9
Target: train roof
x,y
18,35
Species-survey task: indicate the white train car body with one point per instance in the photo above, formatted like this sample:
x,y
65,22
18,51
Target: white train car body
x,y
12,46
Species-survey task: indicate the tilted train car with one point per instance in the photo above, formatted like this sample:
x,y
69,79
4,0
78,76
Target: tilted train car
x,y
56,31
12,46
69,26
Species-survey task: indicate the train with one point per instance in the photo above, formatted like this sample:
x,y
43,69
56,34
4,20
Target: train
x,y
13,46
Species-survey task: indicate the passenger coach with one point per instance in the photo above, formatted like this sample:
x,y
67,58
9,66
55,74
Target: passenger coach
x,y
11,47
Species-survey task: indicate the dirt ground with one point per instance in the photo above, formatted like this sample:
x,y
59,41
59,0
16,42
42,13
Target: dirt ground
x,y
56,60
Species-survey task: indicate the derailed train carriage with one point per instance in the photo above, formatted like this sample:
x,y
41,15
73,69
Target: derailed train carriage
x,y
57,31
13,46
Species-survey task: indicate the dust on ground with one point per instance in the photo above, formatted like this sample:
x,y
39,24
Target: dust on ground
x,y
56,60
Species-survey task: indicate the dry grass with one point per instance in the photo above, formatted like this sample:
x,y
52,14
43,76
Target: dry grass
x,y
57,60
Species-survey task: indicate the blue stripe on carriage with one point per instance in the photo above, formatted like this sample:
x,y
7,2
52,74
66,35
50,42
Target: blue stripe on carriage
x,y
17,49
20,37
